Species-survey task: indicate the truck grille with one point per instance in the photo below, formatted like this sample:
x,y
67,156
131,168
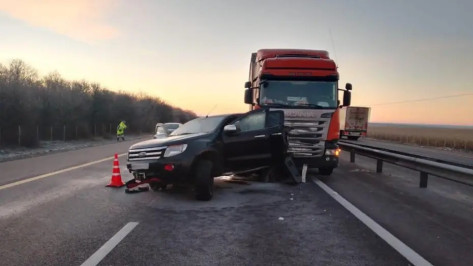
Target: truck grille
x,y
146,154
306,136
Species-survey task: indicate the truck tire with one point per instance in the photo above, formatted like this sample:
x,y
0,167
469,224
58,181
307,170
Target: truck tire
x,y
353,137
325,171
204,181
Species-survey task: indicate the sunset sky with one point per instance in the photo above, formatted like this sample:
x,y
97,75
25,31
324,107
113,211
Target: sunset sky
x,y
411,61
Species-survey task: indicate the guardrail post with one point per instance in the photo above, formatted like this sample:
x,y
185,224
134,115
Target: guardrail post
x,y
379,166
19,135
424,177
352,155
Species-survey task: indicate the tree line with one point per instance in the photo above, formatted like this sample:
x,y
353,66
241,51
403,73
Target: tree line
x,y
34,102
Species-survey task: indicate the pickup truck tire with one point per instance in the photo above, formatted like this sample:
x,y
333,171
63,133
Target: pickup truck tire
x,y
325,171
204,181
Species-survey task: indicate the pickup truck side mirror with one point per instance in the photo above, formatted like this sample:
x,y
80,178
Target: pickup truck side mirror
x,y
230,129
249,96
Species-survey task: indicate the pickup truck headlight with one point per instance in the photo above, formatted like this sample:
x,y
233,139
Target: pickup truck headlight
x,y
175,150
333,152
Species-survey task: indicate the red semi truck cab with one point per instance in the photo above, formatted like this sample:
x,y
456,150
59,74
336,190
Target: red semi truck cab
x,y
303,84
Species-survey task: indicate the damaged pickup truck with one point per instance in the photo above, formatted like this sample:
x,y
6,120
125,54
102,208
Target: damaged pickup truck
x,y
208,147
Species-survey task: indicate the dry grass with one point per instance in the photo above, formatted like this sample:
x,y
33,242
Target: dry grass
x,y
455,138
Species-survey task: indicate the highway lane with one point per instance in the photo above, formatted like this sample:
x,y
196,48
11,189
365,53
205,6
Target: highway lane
x,y
455,156
437,221
11,171
65,218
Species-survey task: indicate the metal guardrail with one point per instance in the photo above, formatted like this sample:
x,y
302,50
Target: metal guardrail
x,y
426,166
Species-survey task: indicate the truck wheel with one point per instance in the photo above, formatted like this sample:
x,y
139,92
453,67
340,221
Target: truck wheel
x,y
353,137
325,171
204,181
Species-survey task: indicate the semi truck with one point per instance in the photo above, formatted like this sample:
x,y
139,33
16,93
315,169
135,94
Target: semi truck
x,y
354,122
303,84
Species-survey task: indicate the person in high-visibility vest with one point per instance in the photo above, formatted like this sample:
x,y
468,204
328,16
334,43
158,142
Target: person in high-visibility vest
x,y
121,130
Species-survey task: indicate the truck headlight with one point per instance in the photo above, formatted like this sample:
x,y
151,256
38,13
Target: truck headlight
x,y
333,152
175,150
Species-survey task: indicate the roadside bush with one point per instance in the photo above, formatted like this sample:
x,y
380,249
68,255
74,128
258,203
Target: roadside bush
x,y
51,107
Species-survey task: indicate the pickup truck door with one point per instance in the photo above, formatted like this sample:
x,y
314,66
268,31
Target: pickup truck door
x,y
254,140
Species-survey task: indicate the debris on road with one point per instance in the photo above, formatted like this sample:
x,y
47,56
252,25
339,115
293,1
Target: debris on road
x,y
136,189
237,181
281,218
134,186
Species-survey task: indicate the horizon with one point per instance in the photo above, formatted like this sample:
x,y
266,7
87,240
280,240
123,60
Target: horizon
x,y
196,55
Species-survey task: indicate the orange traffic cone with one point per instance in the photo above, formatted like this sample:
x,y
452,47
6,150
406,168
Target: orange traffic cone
x,y
116,176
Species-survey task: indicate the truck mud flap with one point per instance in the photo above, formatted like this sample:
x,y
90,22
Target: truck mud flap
x,y
292,169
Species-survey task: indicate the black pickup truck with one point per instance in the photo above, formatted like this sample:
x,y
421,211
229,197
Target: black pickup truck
x,y
207,147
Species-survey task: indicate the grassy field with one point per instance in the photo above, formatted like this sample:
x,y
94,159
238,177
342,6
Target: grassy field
x,y
454,138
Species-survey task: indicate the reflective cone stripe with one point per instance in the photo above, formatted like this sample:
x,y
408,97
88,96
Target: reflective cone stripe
x,y
116,176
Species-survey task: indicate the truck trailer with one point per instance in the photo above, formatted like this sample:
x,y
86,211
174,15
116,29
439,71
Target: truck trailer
x,y
354,122
303,84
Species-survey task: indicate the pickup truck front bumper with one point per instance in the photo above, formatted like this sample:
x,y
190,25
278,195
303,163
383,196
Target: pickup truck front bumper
x,y
169,170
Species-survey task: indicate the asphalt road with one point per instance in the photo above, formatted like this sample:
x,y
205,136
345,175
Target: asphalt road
x,y
436,221
63,219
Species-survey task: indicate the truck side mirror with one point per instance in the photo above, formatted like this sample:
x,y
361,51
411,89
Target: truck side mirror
x,y
348,86
249,96
247,85
346,98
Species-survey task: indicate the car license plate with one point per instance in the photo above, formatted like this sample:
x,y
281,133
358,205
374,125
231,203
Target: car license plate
x,y
139,166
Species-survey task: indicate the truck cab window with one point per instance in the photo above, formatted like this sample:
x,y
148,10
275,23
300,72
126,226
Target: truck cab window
x,y
313,94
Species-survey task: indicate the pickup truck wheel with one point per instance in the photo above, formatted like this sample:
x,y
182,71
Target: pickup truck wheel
x,y
204,182
325,171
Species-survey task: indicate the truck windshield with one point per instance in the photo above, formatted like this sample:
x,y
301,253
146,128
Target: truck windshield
x,y
199,125
306,94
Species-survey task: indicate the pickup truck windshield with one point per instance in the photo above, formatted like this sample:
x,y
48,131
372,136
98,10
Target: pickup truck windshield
x,y
199,125
308,94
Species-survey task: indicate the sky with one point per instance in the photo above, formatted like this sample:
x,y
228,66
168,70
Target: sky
x,y
410,61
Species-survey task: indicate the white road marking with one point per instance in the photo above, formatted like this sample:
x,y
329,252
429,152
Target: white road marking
x,y
56,172
33,200
109,245
393,241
